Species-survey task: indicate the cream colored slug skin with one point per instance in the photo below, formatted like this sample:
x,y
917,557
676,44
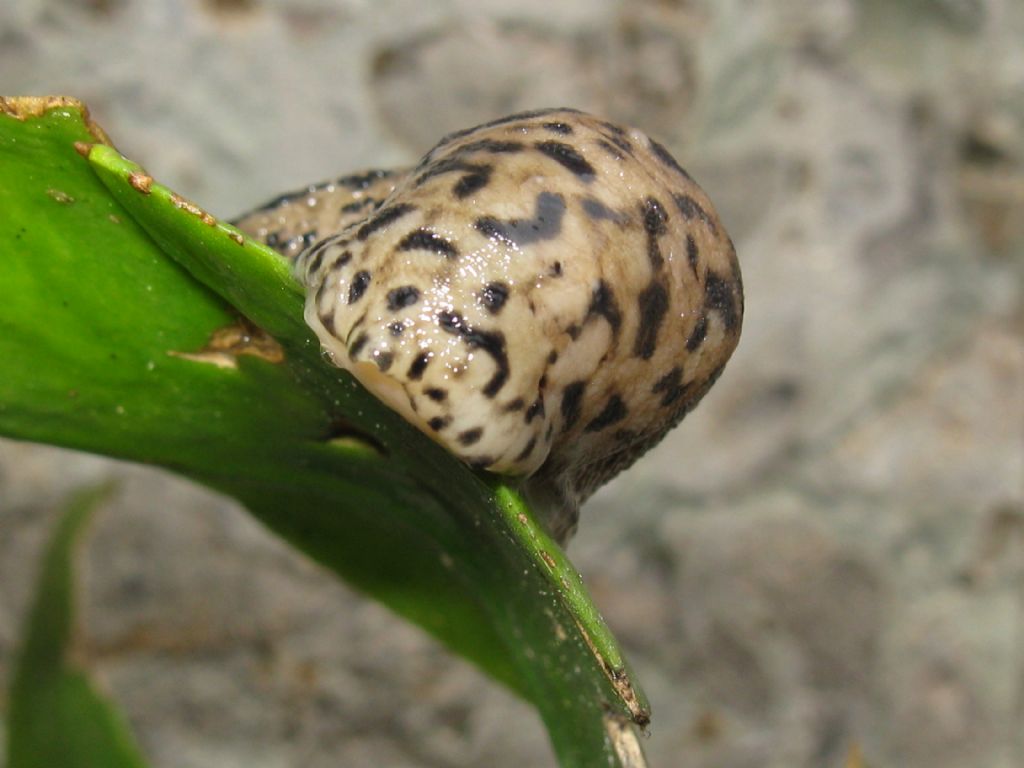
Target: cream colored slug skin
x,y
545,295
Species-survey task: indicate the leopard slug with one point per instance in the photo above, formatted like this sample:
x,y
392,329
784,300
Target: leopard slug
x,y
545,295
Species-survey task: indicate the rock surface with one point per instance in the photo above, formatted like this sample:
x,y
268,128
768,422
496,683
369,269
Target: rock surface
x,y
825,561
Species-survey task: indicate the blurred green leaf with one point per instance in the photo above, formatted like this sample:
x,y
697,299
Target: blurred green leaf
x,y
130,326
56,717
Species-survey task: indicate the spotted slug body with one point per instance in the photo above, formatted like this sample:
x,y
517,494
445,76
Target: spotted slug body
x,y
545,295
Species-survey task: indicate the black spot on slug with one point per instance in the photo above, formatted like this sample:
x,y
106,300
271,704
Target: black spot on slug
x,y
402,297
692,254
383,218
535,410
418,366
611,149
666,158
455,135
527,449
451,322
438,423
602,304
669,386
528,114
546,223
362,180
652,304
436,394
327,321
314,265
622,143
568,157
491,145
356,289
454,164
357,346
515,405
616,129
615,410
598,211
278,201
425,240
557,127
472,182
572,401
384,360
491,228
396,328
491,342
494,296
358,205
698,334
470,436
718,297
655,219
691,210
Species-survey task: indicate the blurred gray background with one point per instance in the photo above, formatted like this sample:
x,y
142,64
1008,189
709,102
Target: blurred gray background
x,y
823,565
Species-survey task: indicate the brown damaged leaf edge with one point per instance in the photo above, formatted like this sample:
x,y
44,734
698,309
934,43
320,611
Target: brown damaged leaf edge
x,y
620,682
25,107
184,204
228,343
140,181
143,182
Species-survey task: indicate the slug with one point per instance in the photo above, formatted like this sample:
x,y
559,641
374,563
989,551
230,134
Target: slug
x,y
545,295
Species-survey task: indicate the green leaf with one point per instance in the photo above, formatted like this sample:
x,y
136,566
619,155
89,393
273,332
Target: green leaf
x,y
56,717
130,325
